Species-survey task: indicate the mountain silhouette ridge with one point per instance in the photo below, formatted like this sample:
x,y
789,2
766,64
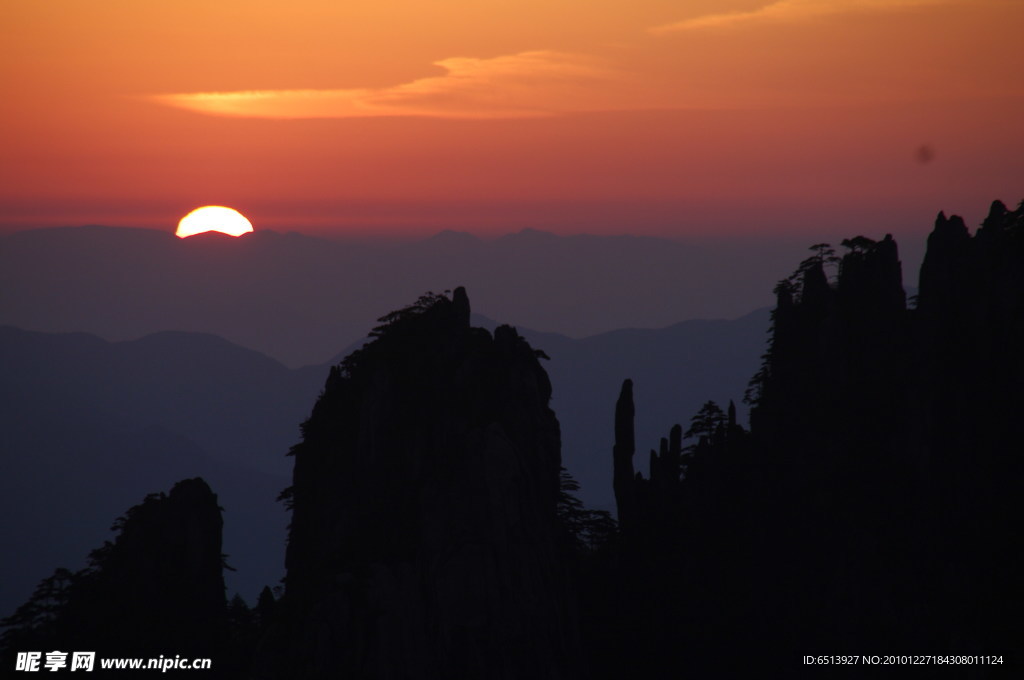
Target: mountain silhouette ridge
x,y
299,298
435,534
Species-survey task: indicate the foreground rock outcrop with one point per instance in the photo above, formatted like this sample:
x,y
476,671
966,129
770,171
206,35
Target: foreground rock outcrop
x,y
157,588
424,540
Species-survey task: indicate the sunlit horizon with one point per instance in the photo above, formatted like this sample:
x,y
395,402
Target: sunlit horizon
x,y
723,117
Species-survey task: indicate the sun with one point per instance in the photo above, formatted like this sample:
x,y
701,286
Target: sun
x,y
213,218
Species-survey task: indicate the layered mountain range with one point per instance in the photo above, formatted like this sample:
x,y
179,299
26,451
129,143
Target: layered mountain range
x,y
871,505
301,299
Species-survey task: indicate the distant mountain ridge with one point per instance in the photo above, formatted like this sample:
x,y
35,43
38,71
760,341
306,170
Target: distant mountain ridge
x,y
90,427
299,298
184,381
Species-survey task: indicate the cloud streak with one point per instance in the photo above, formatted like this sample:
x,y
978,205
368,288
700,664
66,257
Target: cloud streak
x,y
784,11
525,85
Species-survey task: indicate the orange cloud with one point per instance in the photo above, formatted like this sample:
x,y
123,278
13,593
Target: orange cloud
x,y
791,10
524,85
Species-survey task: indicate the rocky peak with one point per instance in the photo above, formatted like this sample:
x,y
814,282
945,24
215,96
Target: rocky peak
x,y
424,541
157,587
871,277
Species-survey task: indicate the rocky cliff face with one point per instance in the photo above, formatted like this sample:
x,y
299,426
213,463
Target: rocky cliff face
x,y
424,542
898,432
968,335
875,502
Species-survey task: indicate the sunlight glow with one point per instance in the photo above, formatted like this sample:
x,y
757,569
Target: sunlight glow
x,y
213,218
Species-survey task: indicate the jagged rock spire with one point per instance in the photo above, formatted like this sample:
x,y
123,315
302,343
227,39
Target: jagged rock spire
x,y
622,454
460,306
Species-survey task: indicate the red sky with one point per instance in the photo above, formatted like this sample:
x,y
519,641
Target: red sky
x,y
395,117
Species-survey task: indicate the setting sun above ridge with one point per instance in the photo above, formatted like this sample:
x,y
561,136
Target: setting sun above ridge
x,y
213,218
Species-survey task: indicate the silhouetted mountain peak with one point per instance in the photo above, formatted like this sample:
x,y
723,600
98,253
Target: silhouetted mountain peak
x,y
871,276
948,229
424,528
159,585
996,214
961,272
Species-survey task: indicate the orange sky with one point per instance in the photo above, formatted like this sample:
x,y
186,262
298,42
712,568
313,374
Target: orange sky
x,y
401,116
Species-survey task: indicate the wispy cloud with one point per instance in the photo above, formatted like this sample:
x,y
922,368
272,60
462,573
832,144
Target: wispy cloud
x,y
789,11
524,85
